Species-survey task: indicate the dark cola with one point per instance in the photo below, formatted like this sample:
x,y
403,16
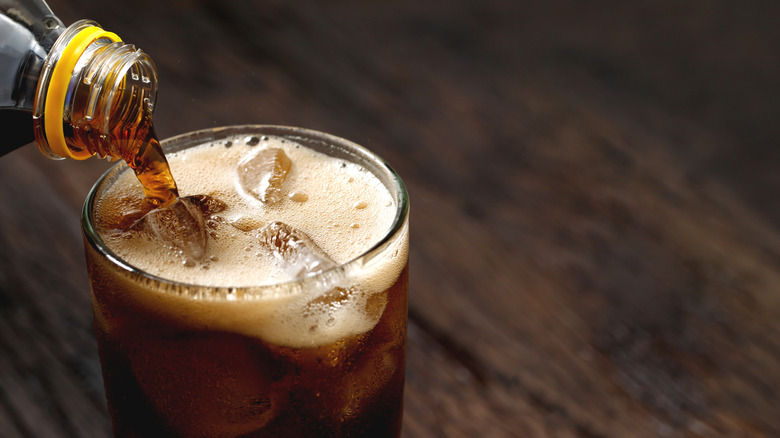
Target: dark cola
x,y
291,322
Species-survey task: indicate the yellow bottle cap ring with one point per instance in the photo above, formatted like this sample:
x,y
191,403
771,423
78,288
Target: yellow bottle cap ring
x,y
58,89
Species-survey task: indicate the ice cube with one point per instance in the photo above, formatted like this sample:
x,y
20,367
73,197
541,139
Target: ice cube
x,y
325,309
262,174
298,254
125,214
330,302
365,379
182,225
208,205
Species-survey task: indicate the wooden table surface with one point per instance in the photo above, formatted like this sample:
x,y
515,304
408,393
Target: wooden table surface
x,y
595,210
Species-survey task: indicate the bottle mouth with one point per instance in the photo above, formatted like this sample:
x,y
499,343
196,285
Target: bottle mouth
x,y
53,87
120,85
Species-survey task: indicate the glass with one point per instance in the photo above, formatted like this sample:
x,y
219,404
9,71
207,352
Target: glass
x,y
173,365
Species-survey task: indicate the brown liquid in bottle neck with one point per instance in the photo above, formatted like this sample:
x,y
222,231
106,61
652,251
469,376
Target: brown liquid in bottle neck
x,y
134,141
107,109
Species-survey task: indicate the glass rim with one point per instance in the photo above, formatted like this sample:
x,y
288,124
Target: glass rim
x,y
284,288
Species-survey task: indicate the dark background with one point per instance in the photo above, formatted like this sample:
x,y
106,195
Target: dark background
x,y
594,185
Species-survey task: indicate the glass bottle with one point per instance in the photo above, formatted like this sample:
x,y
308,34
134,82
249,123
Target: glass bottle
x,y
78,91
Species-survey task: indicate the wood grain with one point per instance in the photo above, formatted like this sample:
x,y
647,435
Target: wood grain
x,y
595,225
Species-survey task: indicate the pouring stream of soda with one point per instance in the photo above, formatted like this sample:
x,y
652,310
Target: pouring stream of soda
x,y
150,165
176,221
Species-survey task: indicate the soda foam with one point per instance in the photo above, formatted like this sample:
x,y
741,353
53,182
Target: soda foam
x,y
342,207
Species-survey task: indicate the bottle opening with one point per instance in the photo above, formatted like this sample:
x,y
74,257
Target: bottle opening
x,y
94,95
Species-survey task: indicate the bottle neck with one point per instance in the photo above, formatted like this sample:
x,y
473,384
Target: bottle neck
x,y
95,96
